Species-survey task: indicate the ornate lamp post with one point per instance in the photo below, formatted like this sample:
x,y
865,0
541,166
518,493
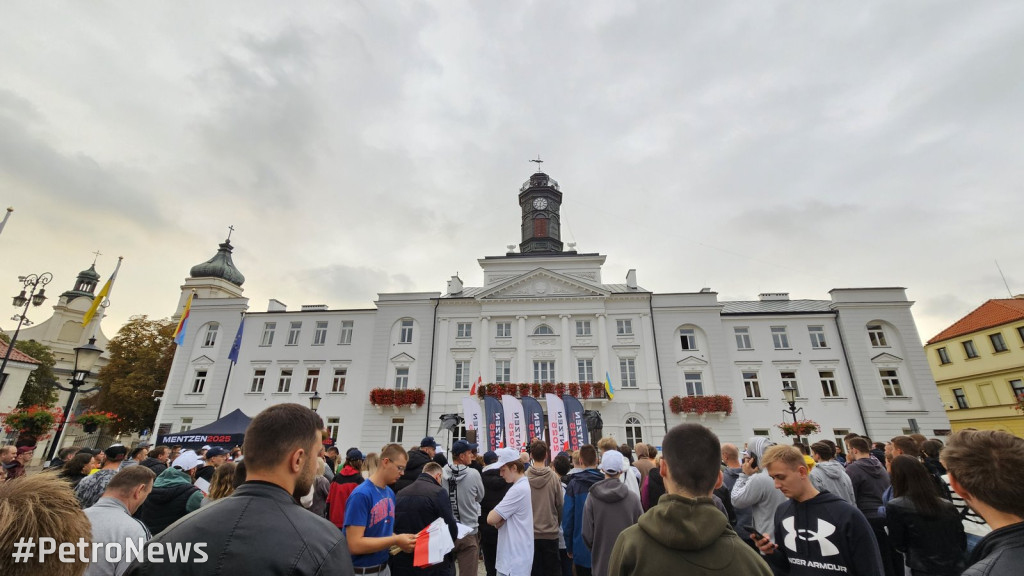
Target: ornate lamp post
x,y
314,401
32,282
85,358
789,393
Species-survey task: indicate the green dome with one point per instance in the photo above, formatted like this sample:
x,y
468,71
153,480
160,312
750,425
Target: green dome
x,y
220,266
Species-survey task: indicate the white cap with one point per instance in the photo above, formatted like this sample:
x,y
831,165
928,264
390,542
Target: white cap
x,y
505,455
612,462
186,461
207,447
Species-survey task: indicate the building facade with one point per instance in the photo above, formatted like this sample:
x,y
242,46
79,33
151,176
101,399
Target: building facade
x,y
546,315
978,365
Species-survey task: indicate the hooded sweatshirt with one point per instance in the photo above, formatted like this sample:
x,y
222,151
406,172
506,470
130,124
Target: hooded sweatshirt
x,y
610,509
345,481
870,481
757,493
465,492
576,495
173,497
824,535
546,496
684,536
830,476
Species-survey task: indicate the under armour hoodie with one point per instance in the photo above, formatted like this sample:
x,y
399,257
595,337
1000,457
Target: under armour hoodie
x,y
824,535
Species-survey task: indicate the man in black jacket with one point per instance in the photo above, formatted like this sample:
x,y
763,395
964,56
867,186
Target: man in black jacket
x,y
261,528
417,458
157,460
416,507
985,468
495,488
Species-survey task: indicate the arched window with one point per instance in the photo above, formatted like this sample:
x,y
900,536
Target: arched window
x,y
543,330
634,431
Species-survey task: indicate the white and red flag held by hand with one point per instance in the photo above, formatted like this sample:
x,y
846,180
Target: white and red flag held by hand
x,y
432,543
479,380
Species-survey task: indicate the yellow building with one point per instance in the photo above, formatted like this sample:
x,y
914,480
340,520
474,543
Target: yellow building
x,y
978,364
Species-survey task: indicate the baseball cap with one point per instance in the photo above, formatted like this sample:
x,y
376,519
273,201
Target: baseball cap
x,y
490,457
428,442
612,462
461,446
354,454
116,450
216,451
207,447
505,455
186,461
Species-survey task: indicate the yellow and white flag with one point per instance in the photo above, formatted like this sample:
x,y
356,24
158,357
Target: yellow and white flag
x,y
103,295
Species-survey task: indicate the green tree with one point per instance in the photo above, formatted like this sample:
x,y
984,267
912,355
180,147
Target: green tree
x,y
37,392
140,360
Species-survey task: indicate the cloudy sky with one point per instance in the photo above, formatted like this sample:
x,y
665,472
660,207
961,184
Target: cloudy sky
x,y
364,147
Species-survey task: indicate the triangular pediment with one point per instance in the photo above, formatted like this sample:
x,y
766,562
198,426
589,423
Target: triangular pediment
x,y
886,358
203,360
402,358
692,361
542,283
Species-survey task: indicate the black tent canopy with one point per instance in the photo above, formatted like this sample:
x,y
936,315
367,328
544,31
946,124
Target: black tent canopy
x,y
229,431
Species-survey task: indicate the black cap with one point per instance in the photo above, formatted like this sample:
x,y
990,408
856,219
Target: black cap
x,y
428,442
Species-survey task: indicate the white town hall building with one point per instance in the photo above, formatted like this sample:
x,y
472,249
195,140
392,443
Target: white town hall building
x,y
546,315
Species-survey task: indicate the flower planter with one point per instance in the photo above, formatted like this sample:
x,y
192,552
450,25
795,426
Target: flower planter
x,y
90,428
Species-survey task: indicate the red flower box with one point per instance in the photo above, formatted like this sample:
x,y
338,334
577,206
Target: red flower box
x,y
701,404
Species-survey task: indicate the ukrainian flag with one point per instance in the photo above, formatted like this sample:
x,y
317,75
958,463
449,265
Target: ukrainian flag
x,y
608,386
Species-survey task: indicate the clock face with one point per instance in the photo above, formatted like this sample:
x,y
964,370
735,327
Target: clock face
x,y
540,203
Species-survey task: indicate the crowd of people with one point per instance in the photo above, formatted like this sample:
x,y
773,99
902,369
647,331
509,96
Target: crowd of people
x,y
282,504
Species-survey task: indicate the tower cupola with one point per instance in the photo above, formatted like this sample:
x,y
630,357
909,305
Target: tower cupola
x,y
85,284
220,266
540,199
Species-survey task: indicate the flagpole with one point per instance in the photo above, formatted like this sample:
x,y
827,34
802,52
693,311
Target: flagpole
x,y
227,381
224,394
6,216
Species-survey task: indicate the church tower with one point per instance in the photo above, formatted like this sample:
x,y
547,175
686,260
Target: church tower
x,y
215,278
540,200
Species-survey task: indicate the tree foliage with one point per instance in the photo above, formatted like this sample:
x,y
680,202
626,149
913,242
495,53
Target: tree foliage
x,y
37,392
140,360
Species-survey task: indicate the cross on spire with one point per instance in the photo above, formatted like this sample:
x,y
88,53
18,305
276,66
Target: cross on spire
x,y
538,161
98,254
231,229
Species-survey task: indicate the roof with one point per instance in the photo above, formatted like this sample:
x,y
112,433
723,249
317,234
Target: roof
x,y
776,306
995,312
220,266
17,355
474,291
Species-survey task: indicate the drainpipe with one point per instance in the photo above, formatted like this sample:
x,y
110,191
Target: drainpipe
x,y
657,362
433,347
849,370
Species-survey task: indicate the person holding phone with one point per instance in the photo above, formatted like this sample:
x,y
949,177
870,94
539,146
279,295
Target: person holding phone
x,y
754,490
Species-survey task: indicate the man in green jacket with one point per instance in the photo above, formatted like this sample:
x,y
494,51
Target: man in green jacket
x,y
685,533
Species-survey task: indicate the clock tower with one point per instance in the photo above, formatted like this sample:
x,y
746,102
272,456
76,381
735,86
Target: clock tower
x,y
540,199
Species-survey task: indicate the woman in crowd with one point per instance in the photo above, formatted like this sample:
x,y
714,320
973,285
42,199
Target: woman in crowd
x,y
223,483
922,525
77,468
370,464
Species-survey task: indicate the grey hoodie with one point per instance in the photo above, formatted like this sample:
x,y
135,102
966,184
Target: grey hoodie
x,y
469,492
610,509
758,492
830,476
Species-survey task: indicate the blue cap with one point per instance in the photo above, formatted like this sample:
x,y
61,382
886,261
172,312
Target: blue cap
x,y
490,457
428,442
354,454
461,446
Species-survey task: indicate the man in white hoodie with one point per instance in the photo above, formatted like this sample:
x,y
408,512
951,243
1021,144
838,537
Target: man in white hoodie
x,y
829,475
755,489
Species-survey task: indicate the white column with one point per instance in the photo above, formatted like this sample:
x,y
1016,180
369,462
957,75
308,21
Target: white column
x,y
521,368
564,373
485,340
602,348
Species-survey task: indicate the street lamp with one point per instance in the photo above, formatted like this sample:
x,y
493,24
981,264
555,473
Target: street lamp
x,y
31,283
85,358
314,401
789,394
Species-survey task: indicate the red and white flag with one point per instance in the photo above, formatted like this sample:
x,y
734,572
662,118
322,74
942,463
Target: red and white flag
x,y
472,391
432,543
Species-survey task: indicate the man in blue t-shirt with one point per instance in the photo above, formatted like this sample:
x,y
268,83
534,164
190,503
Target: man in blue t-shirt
x,y
370,516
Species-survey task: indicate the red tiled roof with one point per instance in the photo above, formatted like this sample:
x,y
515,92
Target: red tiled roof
x,y
993,313
17,355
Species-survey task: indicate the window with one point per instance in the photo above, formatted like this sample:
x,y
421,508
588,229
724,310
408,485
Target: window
x,y
406,335
312,378
258,377
961,398
543,330
817,336
780,338
583,327
346,332
943,355
634,431
1017,388
543,371
462,374
789,378
1020,333
694,383
877,335
761,432
199,383
585,369
294,330
397,430
333,425
284,384
969,349
890,383
688,338
624,327
186,424
742,338
627,371
268,334
751,385
338,381
503,371
998,344
320,334
503,330
828,384
464,330
401,378
840,437
211,335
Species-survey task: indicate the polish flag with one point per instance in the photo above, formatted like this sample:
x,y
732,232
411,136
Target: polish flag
x,y
472,391
432,543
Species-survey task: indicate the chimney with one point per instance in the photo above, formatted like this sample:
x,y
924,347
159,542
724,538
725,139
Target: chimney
x,y
314,307
276,306
455,285
631,279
